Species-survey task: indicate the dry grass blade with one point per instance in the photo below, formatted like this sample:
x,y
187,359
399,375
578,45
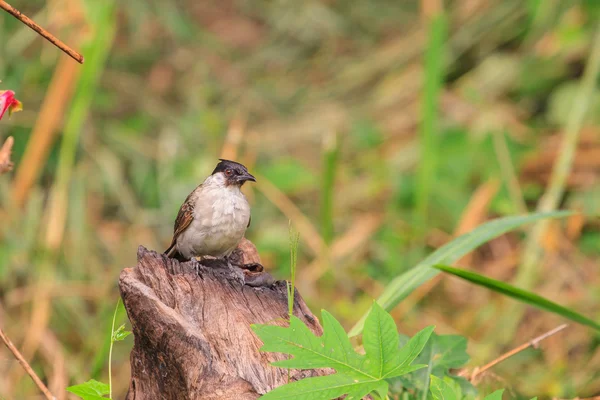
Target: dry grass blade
x,y
5,164
18,296
44,33
54,356
40,316
430,8
26,365
476,210
47,125
234,138
360,231
532,343
309,233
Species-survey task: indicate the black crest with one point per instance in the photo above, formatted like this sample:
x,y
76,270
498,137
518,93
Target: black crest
x,y
228,164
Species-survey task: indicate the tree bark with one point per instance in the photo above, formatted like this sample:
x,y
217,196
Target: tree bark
x,y
191,324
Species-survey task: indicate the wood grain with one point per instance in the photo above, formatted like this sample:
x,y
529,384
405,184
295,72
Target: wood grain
x,y
191,324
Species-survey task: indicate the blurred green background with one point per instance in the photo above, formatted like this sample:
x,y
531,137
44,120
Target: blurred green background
x,y
381,129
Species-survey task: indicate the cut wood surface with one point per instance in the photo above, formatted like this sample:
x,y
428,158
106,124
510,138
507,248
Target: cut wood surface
x,y
191,323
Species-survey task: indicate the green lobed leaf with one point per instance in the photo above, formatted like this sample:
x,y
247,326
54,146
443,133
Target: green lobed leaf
x,y
120,334
444,389
328,387
497,395
90,390
410,352
406,283
380,339
356,375
442,353
332,349
519,294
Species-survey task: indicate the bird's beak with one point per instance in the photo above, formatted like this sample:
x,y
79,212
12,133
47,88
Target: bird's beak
x,y
246,176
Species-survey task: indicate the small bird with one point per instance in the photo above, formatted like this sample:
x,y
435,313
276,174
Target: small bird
x,y
213,219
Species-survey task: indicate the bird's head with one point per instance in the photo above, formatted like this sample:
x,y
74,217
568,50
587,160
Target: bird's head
x,y
233,173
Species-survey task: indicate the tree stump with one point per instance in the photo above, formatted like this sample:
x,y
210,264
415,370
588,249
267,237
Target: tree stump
x,y
191,324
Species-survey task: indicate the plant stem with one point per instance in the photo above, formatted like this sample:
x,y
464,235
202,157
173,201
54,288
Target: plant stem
x,y
291,288
112,341
291,285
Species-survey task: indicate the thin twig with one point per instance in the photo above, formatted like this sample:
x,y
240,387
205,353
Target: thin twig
x,y
532,343
44,33
26,366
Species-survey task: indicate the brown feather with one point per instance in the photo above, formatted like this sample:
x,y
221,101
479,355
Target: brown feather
x,y
185,216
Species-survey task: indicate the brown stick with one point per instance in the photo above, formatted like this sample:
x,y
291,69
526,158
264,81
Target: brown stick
x,y
532,343
44,33
5,163
26,366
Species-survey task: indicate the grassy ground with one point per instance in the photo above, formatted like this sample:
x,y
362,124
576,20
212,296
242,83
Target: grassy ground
x,y
380,130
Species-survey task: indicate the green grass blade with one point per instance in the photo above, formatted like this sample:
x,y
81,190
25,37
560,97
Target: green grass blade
x,y
330,160
429,135
519,294
406,283
291,285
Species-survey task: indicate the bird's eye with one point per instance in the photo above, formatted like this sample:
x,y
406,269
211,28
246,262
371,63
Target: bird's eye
x,y
228,172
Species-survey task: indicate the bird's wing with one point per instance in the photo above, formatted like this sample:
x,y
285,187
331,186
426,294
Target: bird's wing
x,y
183,220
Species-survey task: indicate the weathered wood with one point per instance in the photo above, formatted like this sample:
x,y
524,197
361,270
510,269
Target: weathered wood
x,y
191,323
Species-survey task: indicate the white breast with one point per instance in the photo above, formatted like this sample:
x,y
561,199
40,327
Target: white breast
x,y
221,215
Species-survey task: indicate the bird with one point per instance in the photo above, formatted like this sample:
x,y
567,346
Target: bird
x,y
214,217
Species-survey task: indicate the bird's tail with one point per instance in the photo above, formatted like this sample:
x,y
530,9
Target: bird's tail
x,y
172,252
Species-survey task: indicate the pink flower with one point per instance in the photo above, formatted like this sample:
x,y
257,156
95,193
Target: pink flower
x,y
8,102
